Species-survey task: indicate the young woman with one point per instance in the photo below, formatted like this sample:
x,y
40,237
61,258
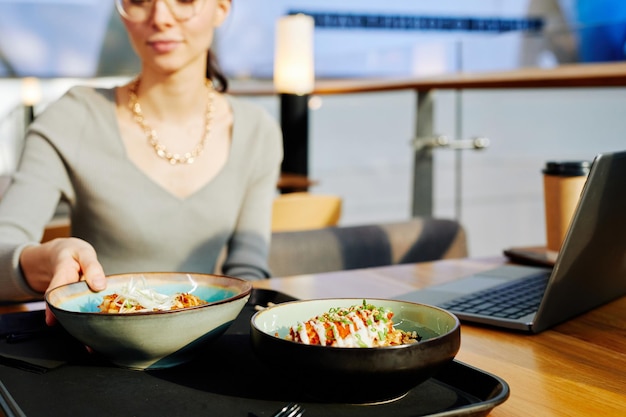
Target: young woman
x,y
160,174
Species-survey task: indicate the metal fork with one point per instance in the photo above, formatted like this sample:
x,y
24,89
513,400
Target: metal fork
x,y
290,410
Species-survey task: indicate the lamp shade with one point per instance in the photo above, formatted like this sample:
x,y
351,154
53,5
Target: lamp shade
x,y
31,91
294,71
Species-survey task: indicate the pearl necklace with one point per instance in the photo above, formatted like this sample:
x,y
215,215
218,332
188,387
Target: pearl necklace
x,y
151,135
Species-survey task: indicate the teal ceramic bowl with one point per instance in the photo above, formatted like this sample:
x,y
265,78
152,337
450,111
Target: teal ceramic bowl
x,y
356,374
155,339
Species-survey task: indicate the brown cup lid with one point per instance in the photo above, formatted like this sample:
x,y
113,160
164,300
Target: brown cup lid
x,y
567,168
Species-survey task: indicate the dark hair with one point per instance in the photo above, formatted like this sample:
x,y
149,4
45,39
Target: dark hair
x,y
215,74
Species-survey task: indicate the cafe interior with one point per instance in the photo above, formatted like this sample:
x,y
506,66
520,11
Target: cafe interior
x,y
416,137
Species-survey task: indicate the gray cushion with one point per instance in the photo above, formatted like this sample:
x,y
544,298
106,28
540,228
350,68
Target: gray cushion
x,y
351,247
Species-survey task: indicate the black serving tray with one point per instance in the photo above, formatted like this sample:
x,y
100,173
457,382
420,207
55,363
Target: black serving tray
x,y
226,380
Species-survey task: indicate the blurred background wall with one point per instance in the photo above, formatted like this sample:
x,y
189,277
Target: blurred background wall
x,y
360,144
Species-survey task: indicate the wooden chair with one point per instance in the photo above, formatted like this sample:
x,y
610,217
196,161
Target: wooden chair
x,y
305,211
58,227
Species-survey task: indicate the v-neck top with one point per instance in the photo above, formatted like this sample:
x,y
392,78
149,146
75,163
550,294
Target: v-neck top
x,y
73,151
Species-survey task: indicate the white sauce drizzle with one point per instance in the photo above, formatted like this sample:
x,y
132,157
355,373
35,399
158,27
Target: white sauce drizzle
x,y
361,334
140,294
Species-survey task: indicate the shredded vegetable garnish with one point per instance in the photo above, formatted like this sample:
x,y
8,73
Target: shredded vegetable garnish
x,y
357,326
138,297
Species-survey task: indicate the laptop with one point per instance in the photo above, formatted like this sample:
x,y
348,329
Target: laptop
x,y
590,269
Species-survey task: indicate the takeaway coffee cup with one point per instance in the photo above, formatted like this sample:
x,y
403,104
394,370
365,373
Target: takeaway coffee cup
x,y
562,184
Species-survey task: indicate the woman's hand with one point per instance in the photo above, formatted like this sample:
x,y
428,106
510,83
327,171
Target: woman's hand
x,y
61,261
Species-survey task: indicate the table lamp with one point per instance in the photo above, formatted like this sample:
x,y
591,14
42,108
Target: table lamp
x,y
294,80
31,95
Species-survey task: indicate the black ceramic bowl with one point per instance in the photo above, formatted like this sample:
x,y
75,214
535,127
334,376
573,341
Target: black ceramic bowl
x,y
356,375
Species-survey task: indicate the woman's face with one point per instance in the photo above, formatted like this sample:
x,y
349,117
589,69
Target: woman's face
x,y
165,44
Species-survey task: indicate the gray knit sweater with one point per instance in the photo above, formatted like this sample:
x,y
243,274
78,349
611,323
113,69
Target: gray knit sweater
x,y
74,152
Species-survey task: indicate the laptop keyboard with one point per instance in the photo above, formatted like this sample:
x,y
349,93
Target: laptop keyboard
x,y
510,300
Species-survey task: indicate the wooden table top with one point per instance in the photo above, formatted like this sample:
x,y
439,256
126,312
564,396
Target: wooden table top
x,y
574,369
577,368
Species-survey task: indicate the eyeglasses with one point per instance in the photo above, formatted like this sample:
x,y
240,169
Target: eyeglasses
x,y
140,10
